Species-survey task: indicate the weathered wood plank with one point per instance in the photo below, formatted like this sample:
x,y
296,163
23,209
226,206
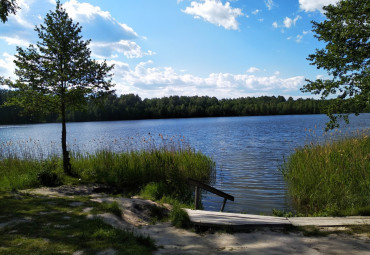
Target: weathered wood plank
x,y
330,221
219,219
208,218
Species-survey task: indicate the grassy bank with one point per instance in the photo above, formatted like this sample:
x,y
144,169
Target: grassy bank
x,y
331,179
158,173
131,171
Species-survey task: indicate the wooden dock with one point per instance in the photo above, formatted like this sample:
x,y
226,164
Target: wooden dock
x,y
234,220
245,221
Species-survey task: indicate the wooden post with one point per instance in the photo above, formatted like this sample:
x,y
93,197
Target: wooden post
x,y
196,195
223,204
198,185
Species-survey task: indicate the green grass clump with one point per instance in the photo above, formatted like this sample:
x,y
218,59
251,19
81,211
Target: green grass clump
x,y
22,173
179,217
112,208
331,179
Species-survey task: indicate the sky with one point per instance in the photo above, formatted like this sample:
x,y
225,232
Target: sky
x,y
226,49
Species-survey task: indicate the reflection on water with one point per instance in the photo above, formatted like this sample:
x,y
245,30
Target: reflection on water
x,y
248,151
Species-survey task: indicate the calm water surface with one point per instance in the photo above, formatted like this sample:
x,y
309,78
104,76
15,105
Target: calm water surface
x,y
248,151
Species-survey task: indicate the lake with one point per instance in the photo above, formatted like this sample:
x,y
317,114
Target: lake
x,y
248,151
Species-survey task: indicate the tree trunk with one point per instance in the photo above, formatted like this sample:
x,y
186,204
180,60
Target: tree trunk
x,y
66,160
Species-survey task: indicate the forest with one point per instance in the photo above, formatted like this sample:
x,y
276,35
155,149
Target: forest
x,y
132,107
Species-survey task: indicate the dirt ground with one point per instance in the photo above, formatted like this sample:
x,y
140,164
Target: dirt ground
x,y
171,240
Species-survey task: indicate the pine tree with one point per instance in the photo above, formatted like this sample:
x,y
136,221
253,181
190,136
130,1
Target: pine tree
x,y
58,74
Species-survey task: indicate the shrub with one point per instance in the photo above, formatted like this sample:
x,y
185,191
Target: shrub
x,y
179,217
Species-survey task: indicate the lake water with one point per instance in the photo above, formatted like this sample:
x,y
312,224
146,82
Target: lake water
x,y
248,151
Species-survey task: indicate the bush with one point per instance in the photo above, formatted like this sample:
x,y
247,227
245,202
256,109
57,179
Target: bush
x,y
47,176
179,217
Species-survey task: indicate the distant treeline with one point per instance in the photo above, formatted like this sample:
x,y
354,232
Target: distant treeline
x,y
132,107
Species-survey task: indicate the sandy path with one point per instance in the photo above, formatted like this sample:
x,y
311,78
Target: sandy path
x,y
179,241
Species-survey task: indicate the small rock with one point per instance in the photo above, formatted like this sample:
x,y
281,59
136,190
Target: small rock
x,y
109,251
76,204
87,210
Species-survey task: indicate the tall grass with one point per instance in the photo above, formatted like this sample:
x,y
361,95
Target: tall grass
x,y
169,164
331,178
135,169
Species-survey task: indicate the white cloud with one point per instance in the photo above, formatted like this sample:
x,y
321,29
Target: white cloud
x,y
288,22
275,24
98,23
215,12
253,69
15,41
83,11
128,48
21,26
151,82
313,5
269,4
255,12
7,65
21,16
299,38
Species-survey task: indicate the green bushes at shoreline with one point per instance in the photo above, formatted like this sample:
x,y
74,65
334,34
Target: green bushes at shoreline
x,y
331,179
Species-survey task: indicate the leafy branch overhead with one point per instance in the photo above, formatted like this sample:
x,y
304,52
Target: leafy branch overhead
x,y
346,58
7,7
58,73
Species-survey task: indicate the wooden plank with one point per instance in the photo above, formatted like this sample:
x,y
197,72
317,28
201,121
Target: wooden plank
x,y
236,220
330,221
210,189
208,218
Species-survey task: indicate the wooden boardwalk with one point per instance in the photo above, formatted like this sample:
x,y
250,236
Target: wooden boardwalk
x,y
236,220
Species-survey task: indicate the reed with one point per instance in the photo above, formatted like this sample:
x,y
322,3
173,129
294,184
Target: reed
x,y
136,169
169,165
331,178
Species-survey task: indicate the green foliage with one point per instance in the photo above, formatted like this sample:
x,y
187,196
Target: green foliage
x,y
124,107
330,179
179,217
280,213
7,7
154,191
346,58
48,176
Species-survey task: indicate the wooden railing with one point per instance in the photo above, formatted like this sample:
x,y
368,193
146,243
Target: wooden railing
x,y
199,185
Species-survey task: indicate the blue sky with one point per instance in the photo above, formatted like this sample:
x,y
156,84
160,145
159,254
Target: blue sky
x,y
227,49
